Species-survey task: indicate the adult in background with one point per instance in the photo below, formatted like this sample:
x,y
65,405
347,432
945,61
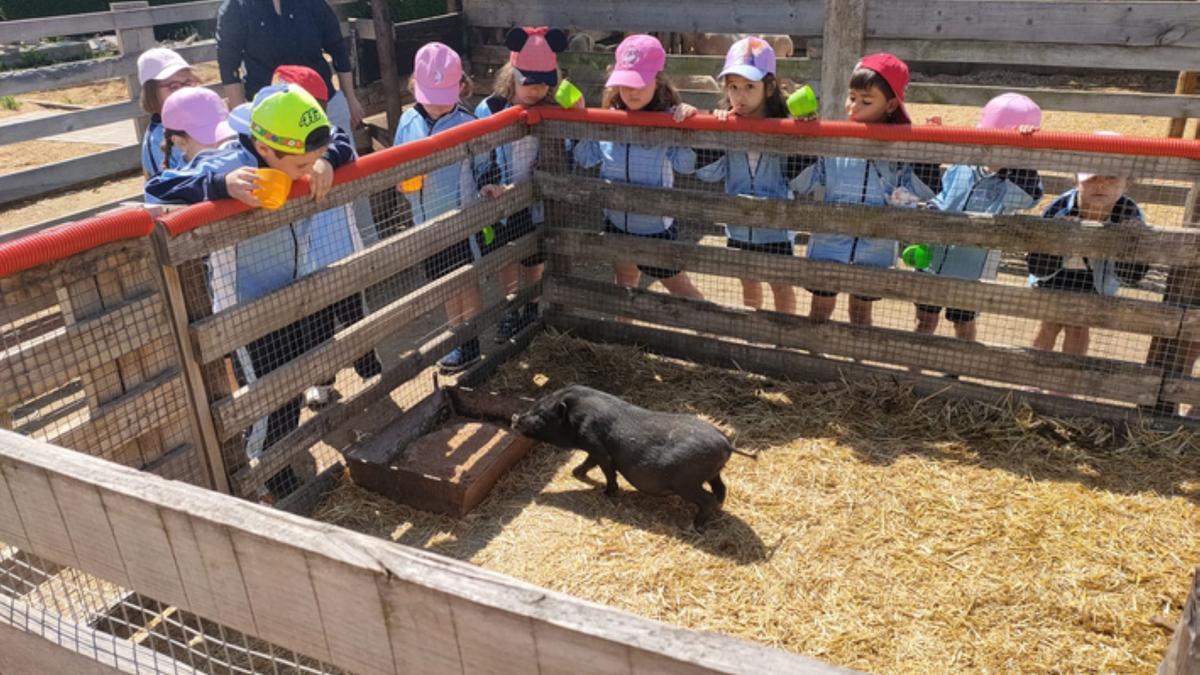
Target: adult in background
x,y
257,36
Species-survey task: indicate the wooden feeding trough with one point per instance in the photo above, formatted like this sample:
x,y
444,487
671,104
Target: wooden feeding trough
x,y
443,454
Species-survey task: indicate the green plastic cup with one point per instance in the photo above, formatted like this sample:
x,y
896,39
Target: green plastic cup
x,y
917,256
567,95
489,235
803,102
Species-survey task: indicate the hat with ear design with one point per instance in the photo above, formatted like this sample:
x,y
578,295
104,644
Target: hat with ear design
x,y
535,54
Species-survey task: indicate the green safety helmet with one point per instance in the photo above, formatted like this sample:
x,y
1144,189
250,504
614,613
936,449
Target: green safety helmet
x,y
290,121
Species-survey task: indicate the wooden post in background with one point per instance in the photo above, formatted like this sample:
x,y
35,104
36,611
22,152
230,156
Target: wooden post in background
x,y
385,45
845,34
1185,85
134,41
1183,656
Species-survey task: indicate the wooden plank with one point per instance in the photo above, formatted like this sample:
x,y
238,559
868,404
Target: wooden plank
x,y
791,365
68,173
845,30
40,127
37,366
229,231
74,73
1084,376
385,49
1023,233
12,530
1183,654
1185,84
1110,56
1180,388
587,66
32,30
795,142
37,286
32,641
40,515
135,40
425,29
353,618
221,333
99,542
145,549
1106,102
793,17
1123,314
1143,24
442,581
412,363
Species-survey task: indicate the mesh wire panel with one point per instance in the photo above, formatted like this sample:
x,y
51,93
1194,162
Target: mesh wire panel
x,y
1065,272
310,314
127,630
91,362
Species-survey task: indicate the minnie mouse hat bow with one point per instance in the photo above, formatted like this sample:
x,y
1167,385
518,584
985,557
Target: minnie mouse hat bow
x,y
535,54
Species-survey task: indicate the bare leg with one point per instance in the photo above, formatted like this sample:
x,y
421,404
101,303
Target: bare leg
x,y
822,307
785,298
965,330
927,322
1076,340
1047,335
752,294
510,278
681,285
629,276
860,311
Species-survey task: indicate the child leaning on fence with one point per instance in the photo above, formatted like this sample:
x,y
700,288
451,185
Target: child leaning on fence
x,y
194,120
288,131
528,79
875,96
161,72
637,83
437,83
753,90
1095,198
981,189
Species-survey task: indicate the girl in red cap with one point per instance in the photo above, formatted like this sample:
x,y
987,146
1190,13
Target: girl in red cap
x,y
875,95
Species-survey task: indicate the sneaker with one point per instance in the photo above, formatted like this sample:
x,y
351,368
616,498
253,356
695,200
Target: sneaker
x,y
460,358
510,325
320,396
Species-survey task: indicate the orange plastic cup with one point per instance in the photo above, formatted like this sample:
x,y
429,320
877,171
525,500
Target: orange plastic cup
x,y
413,184
273,189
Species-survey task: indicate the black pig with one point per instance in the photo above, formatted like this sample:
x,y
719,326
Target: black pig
x,y
657,452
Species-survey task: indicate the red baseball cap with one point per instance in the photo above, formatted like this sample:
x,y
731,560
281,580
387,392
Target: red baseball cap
x,y
304,77
895,73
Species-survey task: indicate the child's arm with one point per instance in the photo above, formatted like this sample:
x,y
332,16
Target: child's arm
x,y
341,149
713,164
810,178
1023,188
587,154
925,180
683,160
178,187
794,165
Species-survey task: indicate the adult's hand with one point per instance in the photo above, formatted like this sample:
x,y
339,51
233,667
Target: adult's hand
x,y
346,85
235,94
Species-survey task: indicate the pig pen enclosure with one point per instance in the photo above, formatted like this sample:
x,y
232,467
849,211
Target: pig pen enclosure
x,y
918,502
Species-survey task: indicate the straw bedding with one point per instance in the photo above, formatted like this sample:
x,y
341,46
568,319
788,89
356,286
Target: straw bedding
x,y
877,530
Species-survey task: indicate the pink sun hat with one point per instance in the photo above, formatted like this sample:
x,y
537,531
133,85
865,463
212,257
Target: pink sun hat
x,y
1009,111
199,112
534,54
437,75
753,58
640,58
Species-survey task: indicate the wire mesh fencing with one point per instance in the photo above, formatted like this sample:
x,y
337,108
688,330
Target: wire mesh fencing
x,y
1067,267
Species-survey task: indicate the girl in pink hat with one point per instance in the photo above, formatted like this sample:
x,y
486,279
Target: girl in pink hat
x,y
194,119
638,84
528,79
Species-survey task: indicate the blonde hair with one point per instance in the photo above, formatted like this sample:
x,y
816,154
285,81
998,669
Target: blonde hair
x,y
666,96
151,102
505,84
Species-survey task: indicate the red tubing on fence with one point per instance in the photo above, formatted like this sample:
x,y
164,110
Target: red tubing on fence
x,y
71,239
1041,140
186,220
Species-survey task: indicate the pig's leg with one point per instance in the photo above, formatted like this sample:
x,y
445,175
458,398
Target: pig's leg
x,y
705,500
610,474
718,488
584,467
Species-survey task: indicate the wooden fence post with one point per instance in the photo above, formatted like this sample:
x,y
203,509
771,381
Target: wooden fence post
x,y
1183,656
1186,84
385,45
134,41
842,47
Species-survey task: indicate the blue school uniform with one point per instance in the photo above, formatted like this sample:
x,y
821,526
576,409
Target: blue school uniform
x,y
971,189
849,180
760,175
152,155
449,187
1085,275
648,165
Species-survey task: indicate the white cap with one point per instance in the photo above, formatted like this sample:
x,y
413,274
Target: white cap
x,y
1081,177
159,64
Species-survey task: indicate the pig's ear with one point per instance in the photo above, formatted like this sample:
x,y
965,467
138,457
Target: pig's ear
x,y
564,406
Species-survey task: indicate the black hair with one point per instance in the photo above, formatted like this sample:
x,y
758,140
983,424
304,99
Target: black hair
x,y
318,138
775,102
168,144
865,78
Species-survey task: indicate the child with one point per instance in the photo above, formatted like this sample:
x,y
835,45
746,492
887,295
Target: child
x,y
1096,198
161,73
194,119
528,79
638,83
437,85
875,96
981,190
287,131
752,90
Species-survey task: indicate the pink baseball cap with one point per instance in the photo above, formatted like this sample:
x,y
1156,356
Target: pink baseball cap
x,y
1080,177
640,58
535,54
437,75
1009,111
895,73
200,112
159,64
753,58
